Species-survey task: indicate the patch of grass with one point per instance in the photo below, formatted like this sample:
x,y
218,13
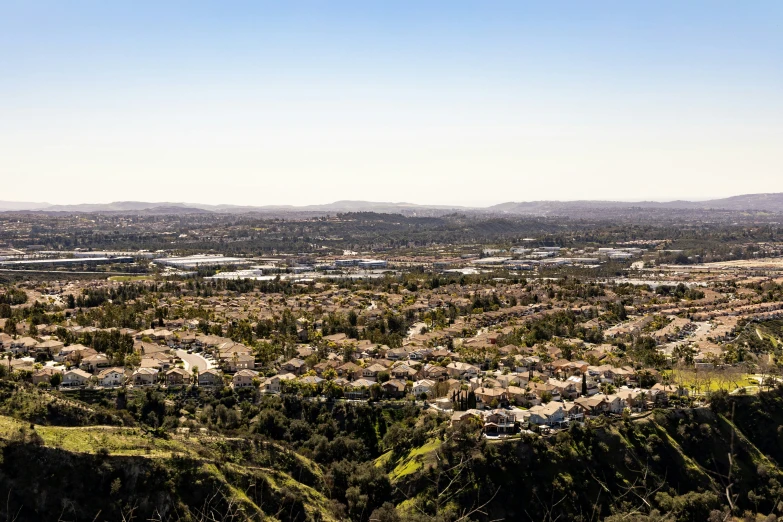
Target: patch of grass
x,y
406,468
117,441
427,448
414,460
92,439
315,503
709,380
383,459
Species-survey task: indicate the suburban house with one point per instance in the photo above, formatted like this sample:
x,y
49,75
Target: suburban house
x,y
23,345
210,377
634,398
185,339
178,377
243,378
465,417
490,397
358,389
350,371
75,378
549,414
240,362
372,371
500,421
615,403
434,372
295,366
50,347
566,389
148,349
44,375
95,361
394,388
594,405
312,380
522,396
322,366
461,370
69,352
111,377
144,377
396,354
541,390
403,371
274,384
573,411
423,386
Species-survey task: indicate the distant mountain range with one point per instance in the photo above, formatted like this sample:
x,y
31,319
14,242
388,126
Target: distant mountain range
x,y
745,203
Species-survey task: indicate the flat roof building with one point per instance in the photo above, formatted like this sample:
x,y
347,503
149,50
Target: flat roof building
x,y
201,260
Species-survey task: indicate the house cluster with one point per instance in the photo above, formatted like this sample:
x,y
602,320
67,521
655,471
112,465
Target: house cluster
x,y
560,413
76,365
373,371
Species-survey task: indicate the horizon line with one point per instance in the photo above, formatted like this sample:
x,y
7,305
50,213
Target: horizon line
x,y
44,204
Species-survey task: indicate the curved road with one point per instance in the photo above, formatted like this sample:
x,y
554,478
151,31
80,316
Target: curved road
x,y
193,359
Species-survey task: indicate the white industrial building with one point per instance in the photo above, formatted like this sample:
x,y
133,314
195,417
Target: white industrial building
x,y
201,260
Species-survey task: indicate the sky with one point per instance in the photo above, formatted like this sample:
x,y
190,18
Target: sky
x,y
431,102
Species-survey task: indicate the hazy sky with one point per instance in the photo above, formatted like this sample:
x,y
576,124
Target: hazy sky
x,y
422,101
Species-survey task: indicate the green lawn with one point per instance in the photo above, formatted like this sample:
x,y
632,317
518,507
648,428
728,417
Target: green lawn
x,y
709,380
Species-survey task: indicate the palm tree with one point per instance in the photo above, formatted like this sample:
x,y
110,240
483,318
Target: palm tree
x,y
642,400
195,375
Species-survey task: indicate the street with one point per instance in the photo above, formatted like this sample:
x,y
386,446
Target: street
x,y
193,359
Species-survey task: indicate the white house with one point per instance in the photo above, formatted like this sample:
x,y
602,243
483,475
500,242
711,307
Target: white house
x,y
111,377
546,414
423,386
274,384
75,378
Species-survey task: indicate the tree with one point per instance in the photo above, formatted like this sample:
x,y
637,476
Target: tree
x,y
642,400
56,379
471,400
195,375
10,326
385,513
132,360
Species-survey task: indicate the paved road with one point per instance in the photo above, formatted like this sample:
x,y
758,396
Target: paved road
x,y
193,359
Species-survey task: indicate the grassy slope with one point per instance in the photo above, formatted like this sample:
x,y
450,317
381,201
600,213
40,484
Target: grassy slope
x,y
685,450
411,462
128,453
